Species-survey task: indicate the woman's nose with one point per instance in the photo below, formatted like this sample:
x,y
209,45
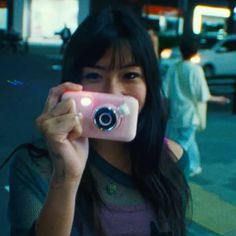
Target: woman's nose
x,y
113,87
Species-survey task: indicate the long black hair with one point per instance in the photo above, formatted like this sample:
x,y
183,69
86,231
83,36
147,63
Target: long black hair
x,y
154,171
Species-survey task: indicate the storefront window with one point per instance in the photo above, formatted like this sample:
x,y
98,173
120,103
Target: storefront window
x,y
50,16
3,18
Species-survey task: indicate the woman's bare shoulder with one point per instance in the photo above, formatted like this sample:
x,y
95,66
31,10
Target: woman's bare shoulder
x,y
174,148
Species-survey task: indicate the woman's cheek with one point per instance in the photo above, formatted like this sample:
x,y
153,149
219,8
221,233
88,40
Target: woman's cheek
x,y
141,97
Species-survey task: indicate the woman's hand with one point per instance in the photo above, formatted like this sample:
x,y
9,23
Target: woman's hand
x,y
60,124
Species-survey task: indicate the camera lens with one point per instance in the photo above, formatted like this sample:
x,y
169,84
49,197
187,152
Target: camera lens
x,y
105,118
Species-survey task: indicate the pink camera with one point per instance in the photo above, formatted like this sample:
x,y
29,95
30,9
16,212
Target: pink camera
x,y
106,116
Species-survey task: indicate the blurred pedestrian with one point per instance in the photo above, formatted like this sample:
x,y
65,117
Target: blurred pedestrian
x,y
151,27
187,93
80,186
65,35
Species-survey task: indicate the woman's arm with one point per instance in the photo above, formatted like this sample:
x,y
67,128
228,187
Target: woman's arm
x,y
174,148
61,127
219,99
56,217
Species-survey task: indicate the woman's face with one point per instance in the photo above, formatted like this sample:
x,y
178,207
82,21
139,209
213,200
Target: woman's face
x,y
123,78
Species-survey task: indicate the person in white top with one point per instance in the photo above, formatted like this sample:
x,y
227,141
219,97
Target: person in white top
x,y
184,87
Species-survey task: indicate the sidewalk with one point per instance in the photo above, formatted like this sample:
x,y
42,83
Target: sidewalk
x,y
214,191
24,83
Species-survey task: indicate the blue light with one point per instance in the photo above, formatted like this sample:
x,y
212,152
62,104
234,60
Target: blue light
x,y
15,82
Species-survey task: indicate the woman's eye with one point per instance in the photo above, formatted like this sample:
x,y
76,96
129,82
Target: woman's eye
x,y
131,75
92,76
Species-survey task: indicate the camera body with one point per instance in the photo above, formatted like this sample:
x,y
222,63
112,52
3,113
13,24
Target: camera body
x,y
106,116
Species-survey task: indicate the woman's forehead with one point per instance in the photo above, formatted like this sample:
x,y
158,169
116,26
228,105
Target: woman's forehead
x,y
117,57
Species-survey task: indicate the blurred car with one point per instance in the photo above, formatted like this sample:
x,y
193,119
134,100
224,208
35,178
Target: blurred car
x,y
218,59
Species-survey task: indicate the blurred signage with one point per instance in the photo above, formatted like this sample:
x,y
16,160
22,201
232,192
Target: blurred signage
x,y
168,20
208,19
160,10
3,3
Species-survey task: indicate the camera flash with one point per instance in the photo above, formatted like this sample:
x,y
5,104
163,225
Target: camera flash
x,y
85,101
124,109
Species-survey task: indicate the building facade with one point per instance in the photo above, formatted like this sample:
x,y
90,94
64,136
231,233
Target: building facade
x,y
39,20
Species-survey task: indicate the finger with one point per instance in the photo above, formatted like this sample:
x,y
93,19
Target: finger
x,y
63,107
61,126
76,132
55,94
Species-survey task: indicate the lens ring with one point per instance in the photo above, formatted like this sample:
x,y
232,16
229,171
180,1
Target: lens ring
x,y
105,118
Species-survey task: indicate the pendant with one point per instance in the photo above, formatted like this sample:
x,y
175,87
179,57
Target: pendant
x,y
111,188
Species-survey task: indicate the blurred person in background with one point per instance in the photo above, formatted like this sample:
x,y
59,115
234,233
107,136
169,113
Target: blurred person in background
x,y
187,93
151,27
65,35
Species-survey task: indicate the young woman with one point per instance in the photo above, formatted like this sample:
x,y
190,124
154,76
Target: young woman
x,y
86,187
